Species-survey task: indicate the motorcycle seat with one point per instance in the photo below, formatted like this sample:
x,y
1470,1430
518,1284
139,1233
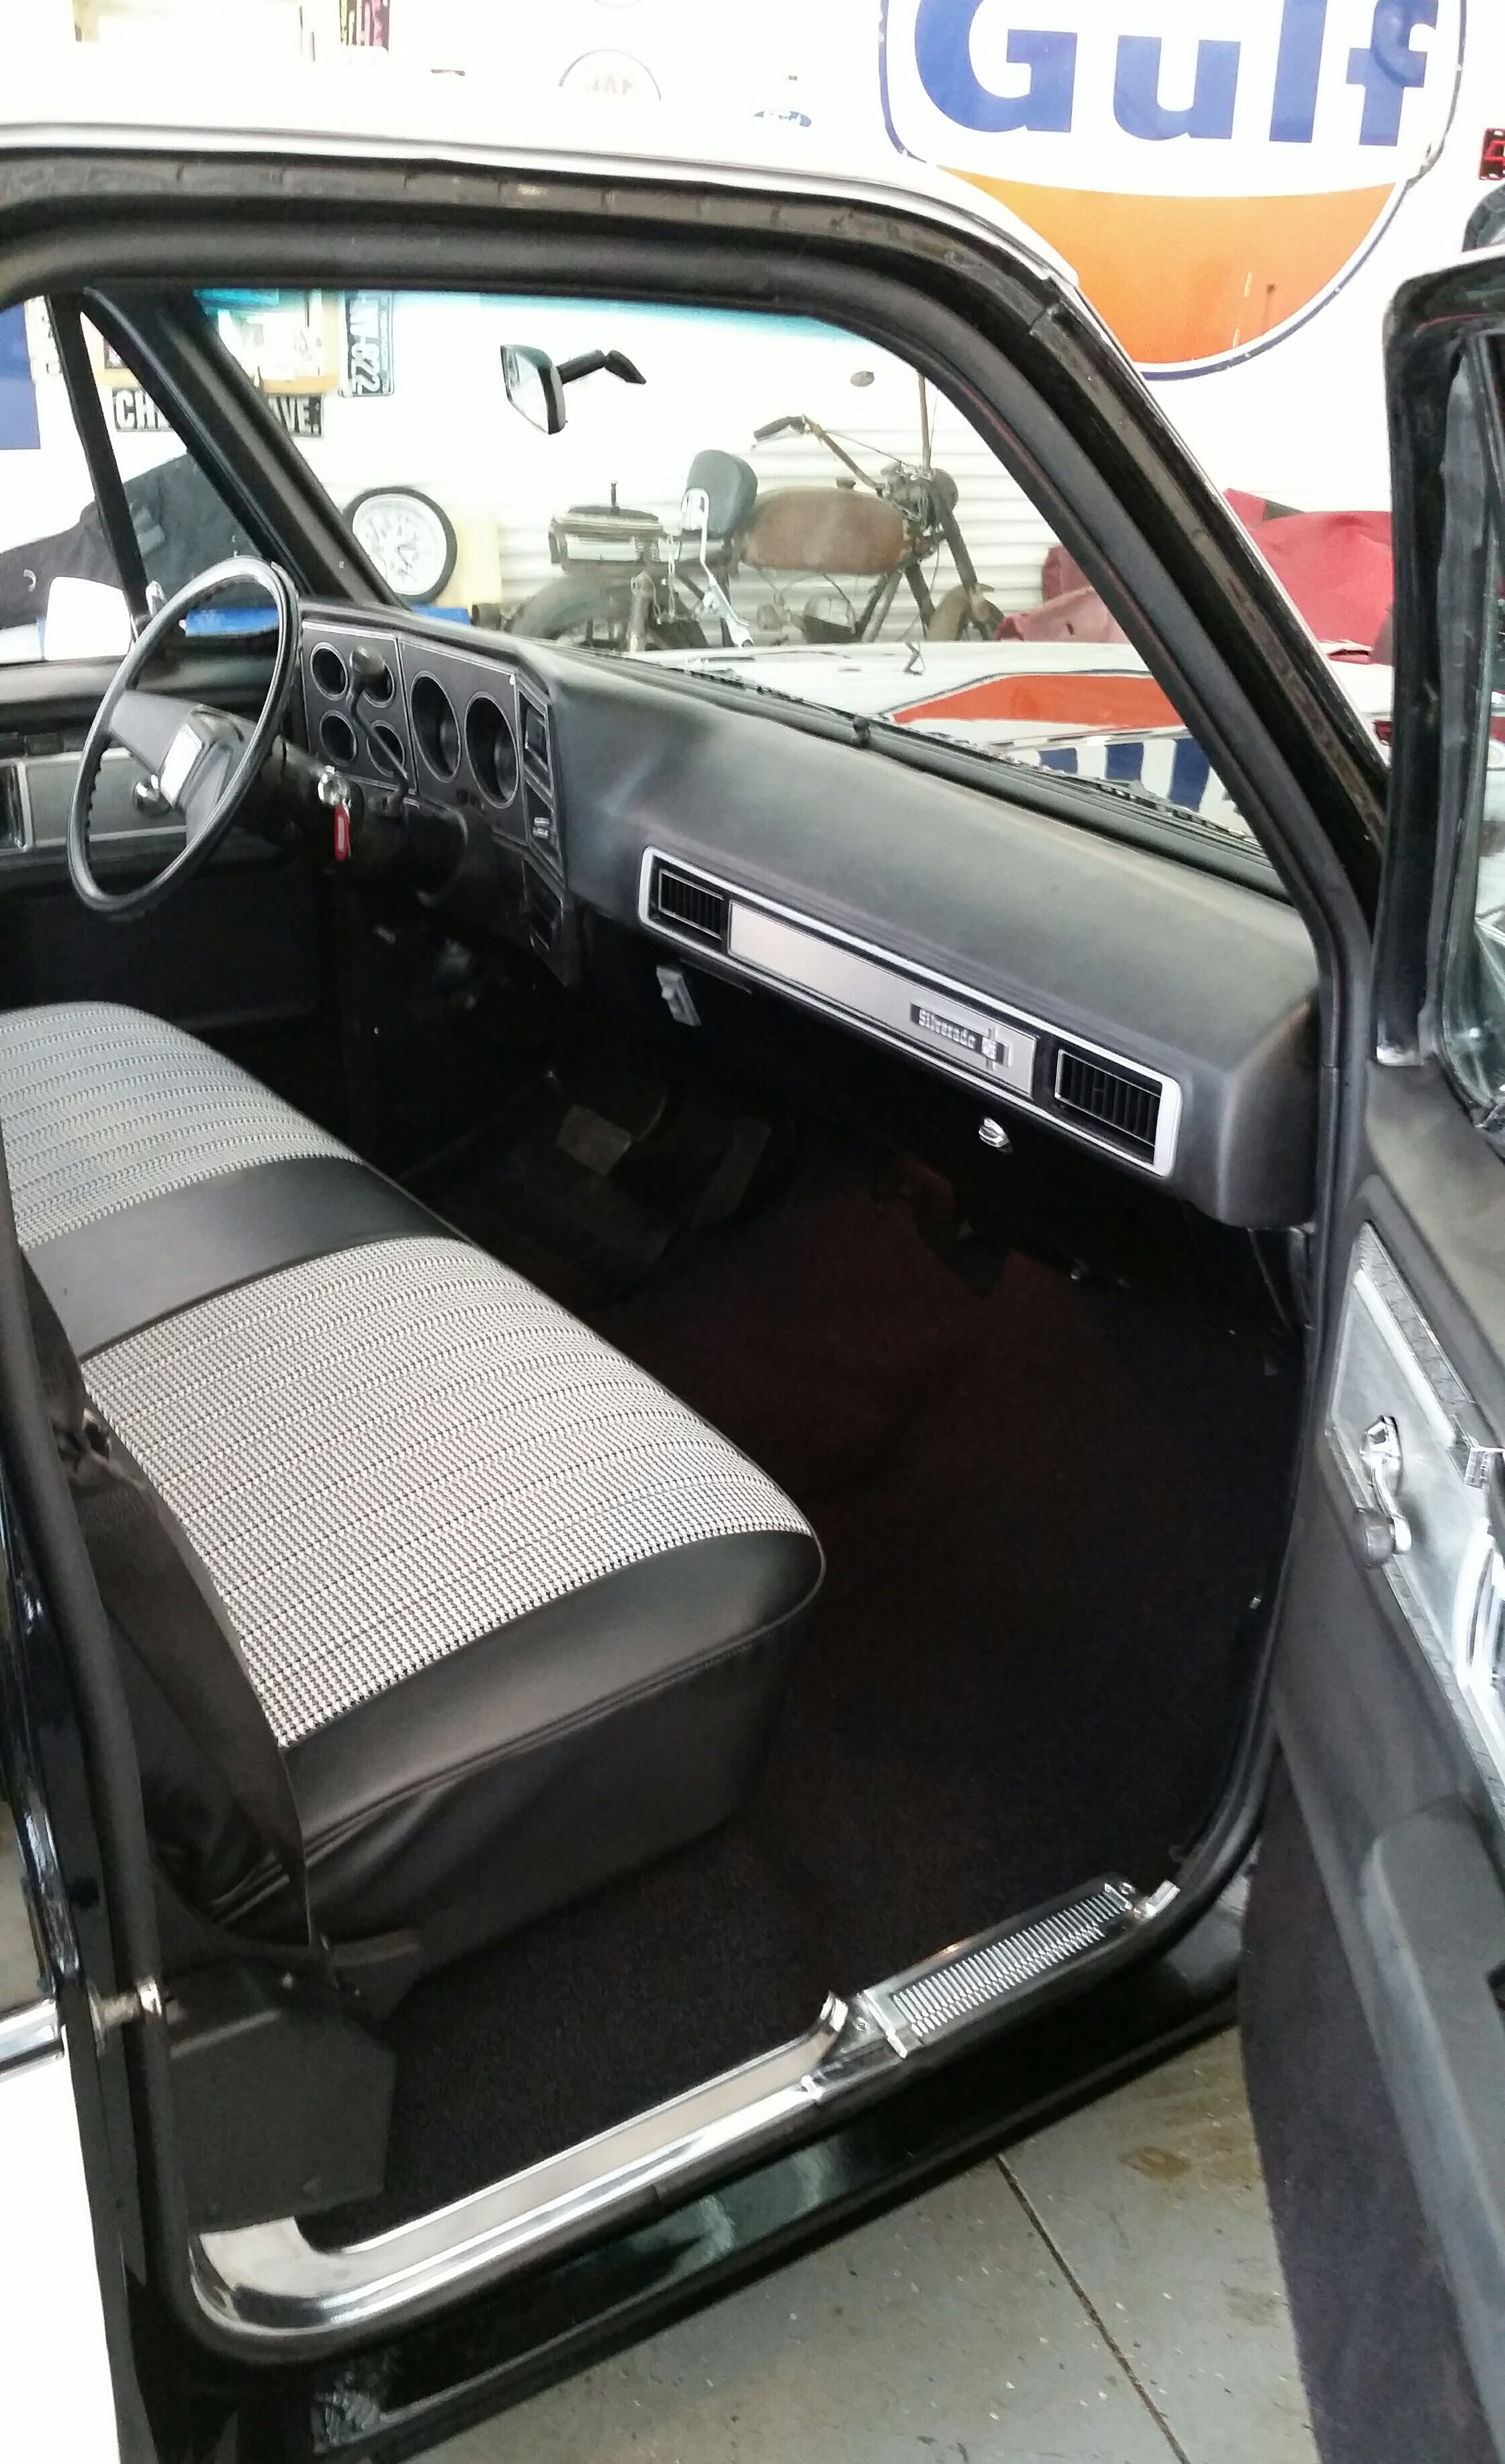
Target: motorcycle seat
x,y
630,516
730,487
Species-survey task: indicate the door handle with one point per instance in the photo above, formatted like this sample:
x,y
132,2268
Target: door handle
x,y
1383,1529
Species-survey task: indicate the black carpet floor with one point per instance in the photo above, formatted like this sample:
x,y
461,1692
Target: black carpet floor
x,y
1046,1509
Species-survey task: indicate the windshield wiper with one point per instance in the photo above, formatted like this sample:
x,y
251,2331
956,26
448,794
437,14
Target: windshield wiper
x,y
819,718
742,682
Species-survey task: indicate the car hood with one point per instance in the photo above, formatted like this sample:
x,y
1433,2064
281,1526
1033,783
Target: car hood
x,y
1085,710
997,691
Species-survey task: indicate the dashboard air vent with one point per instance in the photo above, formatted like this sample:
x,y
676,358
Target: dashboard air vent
x,y
1121,1107
689,905
13,810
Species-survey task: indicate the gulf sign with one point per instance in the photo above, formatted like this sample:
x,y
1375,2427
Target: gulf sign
x,y
1213,169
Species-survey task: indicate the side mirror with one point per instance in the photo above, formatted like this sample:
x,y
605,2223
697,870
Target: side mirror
x,y
535,386
85,620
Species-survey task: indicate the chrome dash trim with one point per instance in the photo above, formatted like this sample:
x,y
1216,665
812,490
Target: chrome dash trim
x,y
30,2033
824,978
16,767
272,2290
985,1042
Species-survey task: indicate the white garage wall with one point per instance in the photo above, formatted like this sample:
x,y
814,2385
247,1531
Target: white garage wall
x,y
447,428
710,380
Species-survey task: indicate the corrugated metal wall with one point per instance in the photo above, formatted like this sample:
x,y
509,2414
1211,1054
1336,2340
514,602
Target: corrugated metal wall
x,y
710,380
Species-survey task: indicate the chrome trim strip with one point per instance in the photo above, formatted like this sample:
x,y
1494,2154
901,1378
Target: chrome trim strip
x,y
275,2288
1022,1022
30,2033
981,1042
1448,1581
17,766
269,2286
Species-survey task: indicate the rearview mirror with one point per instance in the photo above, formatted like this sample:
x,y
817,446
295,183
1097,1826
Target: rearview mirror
x,y
85,620
534,386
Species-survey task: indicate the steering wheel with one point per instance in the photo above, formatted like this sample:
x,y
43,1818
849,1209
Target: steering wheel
x,y
203,764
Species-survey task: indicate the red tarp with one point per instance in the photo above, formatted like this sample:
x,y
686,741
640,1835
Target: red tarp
x,y
1336,566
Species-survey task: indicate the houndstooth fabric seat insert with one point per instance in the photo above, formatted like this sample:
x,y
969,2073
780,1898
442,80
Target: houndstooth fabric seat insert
x,y
380,1455
103,1107
518,1619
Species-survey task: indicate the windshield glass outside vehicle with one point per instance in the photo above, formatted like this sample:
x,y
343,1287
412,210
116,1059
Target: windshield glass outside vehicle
x,y
61,587
769,501
763,499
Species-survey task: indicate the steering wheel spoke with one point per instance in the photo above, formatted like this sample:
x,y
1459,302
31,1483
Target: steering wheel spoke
x,y
147,724
199,801
204,762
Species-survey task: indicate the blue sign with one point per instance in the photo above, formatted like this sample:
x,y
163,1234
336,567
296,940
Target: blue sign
x,y
18,428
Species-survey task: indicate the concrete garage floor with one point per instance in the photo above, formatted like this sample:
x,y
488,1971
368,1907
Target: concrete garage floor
x,y
1106,2292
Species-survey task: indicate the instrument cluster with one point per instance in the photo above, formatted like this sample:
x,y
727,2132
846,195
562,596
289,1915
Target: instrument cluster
x,y
451,729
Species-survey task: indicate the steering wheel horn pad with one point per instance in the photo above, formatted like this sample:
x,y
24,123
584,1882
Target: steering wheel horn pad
x,y
202,762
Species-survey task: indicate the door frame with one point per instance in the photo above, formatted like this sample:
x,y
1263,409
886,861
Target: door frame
x,y
1403,1803
1044,385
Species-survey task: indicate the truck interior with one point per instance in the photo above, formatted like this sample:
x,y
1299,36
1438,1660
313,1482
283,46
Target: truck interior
x,y
709,1304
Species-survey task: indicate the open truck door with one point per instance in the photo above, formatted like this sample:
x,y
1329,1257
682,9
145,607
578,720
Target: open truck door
x,y
1375,1974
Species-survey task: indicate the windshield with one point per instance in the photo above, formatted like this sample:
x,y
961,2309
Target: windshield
x,y
769,503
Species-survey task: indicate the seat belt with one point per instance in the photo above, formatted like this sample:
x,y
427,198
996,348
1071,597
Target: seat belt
x,y
154,1585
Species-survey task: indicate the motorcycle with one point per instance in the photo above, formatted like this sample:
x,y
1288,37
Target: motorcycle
x,y
627,582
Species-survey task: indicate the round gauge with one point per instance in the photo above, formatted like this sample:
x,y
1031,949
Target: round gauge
x,y
409,538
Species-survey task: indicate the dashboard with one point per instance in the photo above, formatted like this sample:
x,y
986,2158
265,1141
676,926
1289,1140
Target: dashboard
x,y
462,732
1160,1014
1157,1013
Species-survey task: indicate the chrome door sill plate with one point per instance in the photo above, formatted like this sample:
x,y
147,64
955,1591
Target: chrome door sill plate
x,y
269,2286
944,1994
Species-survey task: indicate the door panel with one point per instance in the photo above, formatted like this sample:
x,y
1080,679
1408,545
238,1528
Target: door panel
x,y
1391,1736
1434,1916
1386,2374
1390,1677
